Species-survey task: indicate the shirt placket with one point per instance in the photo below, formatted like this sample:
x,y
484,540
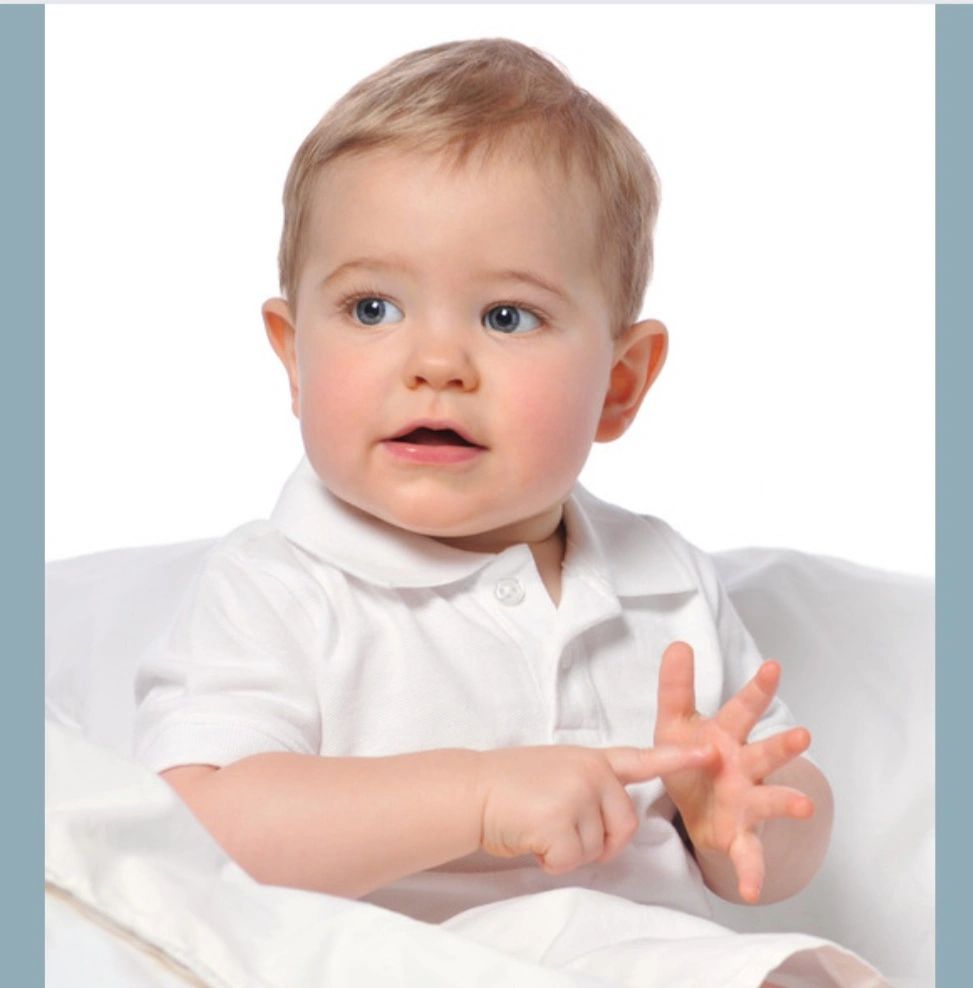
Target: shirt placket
x,y
551,640
511,591
579,716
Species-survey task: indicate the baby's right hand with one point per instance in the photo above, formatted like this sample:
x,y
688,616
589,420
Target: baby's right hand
x,y
567,804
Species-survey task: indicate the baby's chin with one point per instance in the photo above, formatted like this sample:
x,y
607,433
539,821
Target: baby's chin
x,y
487,531
486,526
440,521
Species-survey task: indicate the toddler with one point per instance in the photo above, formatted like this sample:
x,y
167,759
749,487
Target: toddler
x,y
442,673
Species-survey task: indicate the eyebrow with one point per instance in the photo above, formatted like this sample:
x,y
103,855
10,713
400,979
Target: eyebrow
x,y
373,263
529,278
393,264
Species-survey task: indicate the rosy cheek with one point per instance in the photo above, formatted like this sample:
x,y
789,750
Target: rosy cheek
x,y
560,414
328,406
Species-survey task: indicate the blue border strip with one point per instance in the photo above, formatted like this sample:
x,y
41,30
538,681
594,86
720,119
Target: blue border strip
x,y
21,412
954,483
22,439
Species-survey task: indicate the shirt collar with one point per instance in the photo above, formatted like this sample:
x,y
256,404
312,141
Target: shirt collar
x,y
635,555
630,559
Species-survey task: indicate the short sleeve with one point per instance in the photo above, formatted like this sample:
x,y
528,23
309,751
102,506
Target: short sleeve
x,y
738,651
742,659
234,674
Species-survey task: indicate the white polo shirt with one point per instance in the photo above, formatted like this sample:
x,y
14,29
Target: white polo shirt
x,y
326,631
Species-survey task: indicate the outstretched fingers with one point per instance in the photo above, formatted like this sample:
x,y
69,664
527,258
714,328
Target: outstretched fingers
x,y
632,765
772,802
763,757
746,850
739,715
677,690
747,855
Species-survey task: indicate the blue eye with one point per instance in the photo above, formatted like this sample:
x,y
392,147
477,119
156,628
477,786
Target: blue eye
x,y
370,310
509,319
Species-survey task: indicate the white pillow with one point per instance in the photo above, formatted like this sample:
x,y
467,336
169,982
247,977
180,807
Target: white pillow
x,y
857,650
102,613
857,647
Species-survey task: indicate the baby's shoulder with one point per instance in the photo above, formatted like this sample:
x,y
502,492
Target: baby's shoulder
x,y
255,547
635,536
615,518
257,557
613,522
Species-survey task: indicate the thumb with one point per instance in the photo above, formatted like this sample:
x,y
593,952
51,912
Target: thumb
x,y
632,765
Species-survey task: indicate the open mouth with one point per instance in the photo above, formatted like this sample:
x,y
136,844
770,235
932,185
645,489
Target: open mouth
x,y
434,437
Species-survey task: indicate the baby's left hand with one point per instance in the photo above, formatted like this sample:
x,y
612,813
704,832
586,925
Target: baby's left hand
x,y
725,803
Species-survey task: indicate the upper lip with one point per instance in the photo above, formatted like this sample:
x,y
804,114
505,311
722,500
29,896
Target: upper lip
x,y
440,424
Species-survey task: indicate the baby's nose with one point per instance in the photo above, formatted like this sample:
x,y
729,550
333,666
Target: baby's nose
x,y
441,365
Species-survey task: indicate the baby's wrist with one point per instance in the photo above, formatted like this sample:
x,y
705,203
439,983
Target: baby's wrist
x,y
688,826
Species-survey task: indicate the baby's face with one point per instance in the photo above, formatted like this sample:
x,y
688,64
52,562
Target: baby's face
x,y
440,385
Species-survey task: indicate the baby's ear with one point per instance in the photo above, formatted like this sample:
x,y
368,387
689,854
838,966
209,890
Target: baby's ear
x,y
280,331
640,353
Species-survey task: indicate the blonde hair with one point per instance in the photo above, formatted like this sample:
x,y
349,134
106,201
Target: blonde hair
x,y
479,95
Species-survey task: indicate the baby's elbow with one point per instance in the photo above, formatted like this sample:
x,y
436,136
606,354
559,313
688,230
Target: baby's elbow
x,y
796,850
194,785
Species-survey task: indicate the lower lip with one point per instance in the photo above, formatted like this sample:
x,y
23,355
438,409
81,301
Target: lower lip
x,y
421,453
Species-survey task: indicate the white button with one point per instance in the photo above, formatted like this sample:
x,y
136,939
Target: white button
x,y
509,591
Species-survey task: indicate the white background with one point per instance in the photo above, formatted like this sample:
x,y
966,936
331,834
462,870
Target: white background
x,y
795,259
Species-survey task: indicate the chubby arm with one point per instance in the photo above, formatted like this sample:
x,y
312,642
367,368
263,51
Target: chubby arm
x,y
759,816
348,826
340,825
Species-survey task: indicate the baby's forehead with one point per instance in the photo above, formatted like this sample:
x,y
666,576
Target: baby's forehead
x,y
398,176
499,193
461,219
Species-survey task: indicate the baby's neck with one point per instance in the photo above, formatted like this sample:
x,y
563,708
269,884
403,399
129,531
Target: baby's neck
x,y
548,556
